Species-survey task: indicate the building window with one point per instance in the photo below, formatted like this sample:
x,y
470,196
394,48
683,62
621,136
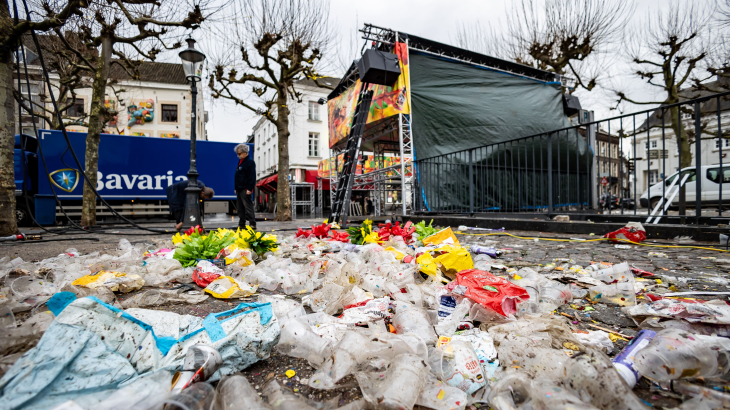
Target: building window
x,y
653,177
77,109
653,144
313,144
313,111
169,113
725,145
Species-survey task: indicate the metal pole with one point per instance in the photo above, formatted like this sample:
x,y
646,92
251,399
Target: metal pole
x,y
402,163
550,172
593,172
471,183
192,192
698,164
721,141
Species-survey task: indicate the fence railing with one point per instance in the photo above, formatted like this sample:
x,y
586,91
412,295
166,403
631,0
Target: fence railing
x,y
606,164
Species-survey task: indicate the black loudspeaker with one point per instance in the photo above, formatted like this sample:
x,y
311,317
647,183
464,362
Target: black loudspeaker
x,y
378,67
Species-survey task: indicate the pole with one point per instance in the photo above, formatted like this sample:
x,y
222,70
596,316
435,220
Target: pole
x,y
698,164
192,192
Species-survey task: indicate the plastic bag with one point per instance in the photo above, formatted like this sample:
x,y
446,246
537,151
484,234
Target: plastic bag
x,y
115,281
427,265
633,231
226,287
456,259
444,236
490,291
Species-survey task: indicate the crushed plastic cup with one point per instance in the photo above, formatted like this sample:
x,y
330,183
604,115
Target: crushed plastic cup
x,y
236,393
298,340
398,387
593,378
27,286
416,321
201,361
283,401
199,396
517,391
621,294
675,354
457,365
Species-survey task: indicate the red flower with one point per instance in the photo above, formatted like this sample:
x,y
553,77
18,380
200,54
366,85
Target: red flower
x,y
340,236
319,231
388,230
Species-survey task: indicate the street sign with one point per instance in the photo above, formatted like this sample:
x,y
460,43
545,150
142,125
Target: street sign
x,y
604,181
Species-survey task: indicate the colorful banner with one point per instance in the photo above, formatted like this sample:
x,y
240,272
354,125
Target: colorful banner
x,y
326,166
387,101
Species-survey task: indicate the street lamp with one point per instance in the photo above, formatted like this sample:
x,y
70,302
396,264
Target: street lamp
x,y
192,61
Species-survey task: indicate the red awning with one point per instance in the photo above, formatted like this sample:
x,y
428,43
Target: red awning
x,y
311,176
267,182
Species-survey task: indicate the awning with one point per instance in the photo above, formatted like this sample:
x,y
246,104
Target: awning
x,y
311,176
266,183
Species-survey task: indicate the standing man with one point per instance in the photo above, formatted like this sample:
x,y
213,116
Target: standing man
x,y
245,182
176,199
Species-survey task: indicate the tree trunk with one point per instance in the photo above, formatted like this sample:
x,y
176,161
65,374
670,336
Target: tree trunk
x,y
8,225
91,165
685,154
283,196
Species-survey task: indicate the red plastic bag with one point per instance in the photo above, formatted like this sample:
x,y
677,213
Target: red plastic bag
x,y
203,279
633,231
492,292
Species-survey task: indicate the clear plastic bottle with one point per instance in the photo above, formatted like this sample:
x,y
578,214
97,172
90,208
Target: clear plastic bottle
x,y
674,354
236,393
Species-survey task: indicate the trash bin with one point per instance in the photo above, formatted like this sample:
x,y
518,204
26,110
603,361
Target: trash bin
x,y
45,209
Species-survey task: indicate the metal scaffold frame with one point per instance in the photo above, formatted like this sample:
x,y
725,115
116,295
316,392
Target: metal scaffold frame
x,y
305,202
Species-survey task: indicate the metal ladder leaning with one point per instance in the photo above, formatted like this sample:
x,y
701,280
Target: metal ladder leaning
x,y
340,206
666,202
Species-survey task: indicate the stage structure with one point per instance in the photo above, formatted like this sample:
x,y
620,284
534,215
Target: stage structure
x,y
446,99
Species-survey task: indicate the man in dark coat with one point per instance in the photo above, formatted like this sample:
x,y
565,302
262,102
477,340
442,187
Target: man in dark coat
x,y
176,199
245,182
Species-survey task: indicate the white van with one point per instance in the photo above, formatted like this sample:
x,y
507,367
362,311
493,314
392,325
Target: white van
x,y
712,180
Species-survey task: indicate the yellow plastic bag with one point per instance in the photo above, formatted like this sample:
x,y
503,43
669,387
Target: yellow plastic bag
x,y
455,260
398,254
427,265
115,281
225,287
236,254
444,236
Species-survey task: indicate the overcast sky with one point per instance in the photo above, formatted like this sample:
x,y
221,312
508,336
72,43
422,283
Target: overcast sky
x,y
436,20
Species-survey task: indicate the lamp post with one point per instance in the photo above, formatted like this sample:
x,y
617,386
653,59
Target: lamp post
x,y
192,61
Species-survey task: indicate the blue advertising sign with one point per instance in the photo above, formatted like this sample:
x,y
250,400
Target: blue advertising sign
x,y
132,167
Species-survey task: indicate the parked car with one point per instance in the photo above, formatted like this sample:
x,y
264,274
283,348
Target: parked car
x,y
614,202
714,180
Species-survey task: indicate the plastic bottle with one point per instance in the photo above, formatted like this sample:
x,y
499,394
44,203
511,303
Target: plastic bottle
x,y
624,361
674,354
236,393
199,396
485,250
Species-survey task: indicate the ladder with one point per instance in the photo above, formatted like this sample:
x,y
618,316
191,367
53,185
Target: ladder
x,y
340,206
666,202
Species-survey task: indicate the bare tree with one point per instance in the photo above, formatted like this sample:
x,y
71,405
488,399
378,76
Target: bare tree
x,y
48,14
129,30
555,35
485,39
723,13
64,64
274,43
667,51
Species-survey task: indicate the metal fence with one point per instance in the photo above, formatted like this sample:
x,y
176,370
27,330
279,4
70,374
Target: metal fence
x,y
595,165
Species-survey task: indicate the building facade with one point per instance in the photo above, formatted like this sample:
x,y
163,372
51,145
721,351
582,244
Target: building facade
x,y
157,104
656,150
308,140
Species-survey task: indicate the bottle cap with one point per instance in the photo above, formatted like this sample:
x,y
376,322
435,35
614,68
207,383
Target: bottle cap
x,y
627,374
